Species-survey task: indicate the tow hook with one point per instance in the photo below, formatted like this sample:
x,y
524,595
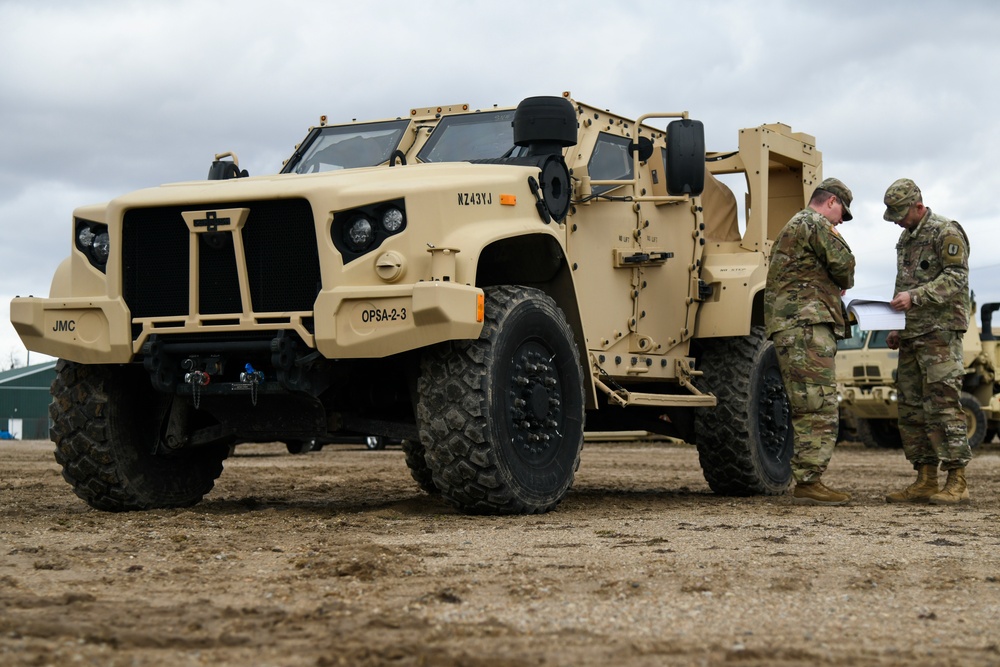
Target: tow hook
x,y
252,377
197,380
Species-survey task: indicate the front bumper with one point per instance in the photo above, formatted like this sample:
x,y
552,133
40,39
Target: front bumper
x,y
874,403
348,322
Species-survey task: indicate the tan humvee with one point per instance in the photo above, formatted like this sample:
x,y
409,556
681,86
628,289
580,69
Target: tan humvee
x,y
866,379
477,283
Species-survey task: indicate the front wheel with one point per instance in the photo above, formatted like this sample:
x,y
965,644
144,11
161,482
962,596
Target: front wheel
x,y
745,442
501,417
106,425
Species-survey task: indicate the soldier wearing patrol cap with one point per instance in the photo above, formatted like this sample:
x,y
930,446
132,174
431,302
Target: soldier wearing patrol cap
x,y
810,267
932,288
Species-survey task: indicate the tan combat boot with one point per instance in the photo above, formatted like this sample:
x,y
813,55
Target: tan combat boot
x,y
921,490
955,490
817,493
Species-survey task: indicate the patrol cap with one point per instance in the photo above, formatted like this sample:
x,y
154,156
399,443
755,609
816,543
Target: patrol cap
x,y
843,193
900,196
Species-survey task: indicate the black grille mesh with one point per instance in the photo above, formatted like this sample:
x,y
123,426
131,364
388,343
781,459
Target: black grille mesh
x,y
279,240
218,283
155,262
282,260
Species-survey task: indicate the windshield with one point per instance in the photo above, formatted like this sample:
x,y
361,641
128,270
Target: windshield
x,y
347,147
855,342
477,136
878,340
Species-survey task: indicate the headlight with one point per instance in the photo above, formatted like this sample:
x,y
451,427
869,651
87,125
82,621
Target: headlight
x,y
101,248
93,241
392,220
360,234
360,230
85,237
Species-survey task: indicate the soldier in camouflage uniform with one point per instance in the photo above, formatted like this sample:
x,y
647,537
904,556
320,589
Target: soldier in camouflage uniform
x,y
932,287
810,267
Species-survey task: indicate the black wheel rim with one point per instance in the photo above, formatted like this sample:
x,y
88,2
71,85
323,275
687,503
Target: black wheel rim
x,y
774,421
534,409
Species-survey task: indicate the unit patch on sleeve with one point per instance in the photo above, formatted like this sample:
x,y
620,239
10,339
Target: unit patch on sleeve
x,y
953,250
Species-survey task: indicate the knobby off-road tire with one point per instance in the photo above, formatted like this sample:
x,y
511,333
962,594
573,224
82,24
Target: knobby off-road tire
x,y
975,419
416,460
879,434
745,442
106,424
501,417
884,433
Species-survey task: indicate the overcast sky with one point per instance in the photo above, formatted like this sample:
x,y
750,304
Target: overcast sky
x,y
102,97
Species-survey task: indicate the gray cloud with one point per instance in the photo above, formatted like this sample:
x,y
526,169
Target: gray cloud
x,y
104,97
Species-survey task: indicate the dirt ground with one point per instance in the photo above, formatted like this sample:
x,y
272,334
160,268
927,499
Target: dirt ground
x,y
336,558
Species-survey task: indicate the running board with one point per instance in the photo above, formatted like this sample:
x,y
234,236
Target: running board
x,y
624,398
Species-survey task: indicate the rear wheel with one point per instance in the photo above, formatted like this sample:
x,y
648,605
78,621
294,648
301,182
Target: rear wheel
x,y
745,442
975,420
879,433
374,442
107,423
501,417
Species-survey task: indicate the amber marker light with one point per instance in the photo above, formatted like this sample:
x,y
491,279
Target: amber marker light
x,y
480,307
508,200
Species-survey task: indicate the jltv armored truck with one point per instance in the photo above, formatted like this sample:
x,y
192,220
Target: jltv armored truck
x,y
866,379
478,283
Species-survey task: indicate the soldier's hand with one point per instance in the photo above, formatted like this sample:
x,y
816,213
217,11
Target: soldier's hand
x,y
902,302
892,340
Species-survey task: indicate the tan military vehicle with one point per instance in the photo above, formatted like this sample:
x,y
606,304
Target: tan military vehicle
x,y
476,283
866,378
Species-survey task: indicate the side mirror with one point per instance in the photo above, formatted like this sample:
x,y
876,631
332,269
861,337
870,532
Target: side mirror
x,y
222,170
986,316
685,157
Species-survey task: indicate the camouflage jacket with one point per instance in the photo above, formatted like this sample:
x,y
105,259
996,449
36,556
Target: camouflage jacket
x,y
810,267
932,264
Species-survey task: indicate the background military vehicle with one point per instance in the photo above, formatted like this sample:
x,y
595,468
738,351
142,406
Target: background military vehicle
x,y
866,378
474,283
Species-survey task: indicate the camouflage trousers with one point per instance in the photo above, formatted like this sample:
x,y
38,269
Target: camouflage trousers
x,y
806,358
929,384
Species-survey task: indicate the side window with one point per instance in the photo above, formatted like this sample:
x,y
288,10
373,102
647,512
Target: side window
x,y
610,161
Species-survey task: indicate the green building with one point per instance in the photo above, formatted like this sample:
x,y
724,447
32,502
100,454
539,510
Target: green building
x,y
24,401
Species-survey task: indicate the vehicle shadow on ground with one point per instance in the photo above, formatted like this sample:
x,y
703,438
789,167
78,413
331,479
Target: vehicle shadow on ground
x,y
421,504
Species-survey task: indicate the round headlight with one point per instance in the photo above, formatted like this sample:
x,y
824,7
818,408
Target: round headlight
x,y
392,220
360,234
101,248
85,237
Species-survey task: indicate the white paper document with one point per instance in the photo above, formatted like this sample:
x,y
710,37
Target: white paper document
x,y
872,315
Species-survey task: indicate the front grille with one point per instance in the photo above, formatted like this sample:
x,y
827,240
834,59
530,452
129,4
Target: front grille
x,y
282,261
218,282
155,262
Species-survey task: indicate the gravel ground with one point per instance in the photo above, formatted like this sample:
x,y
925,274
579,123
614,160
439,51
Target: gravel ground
x,y
335,558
